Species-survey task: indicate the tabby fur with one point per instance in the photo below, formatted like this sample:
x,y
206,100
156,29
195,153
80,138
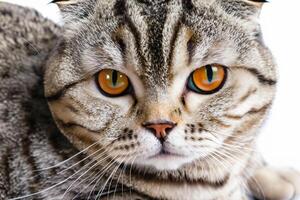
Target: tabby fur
x,y
100,149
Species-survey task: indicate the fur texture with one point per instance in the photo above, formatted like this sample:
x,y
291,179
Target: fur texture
x,y
157,44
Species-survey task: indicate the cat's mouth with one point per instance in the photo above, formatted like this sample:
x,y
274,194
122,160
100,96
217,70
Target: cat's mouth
x,y
164,154
163,160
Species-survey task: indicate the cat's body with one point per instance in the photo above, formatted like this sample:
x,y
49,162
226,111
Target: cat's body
x,y
155,40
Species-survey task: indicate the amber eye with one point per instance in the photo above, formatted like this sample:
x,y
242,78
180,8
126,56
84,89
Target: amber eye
x,y
113,83
207,79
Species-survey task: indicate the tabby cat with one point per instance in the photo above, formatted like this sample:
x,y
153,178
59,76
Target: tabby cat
x,y
153,99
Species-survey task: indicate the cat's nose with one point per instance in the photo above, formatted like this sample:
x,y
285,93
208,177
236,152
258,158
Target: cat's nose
x,y
160,129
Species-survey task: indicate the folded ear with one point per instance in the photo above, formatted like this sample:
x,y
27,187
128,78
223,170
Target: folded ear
x,y
244,9
74,12
258,3
62,3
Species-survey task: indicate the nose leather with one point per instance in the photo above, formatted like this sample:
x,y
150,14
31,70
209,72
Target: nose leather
x,y
160,130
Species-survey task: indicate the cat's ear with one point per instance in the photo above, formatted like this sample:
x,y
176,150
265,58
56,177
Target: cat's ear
x,y
245,9
254,9
63,3
257,3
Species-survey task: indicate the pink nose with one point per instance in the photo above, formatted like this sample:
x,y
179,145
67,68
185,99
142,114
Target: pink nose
x,y
160,130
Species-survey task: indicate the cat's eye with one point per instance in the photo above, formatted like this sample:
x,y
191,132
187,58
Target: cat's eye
x,y
207,79
113,83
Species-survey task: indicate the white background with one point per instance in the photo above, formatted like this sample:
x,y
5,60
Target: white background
x,y
280,138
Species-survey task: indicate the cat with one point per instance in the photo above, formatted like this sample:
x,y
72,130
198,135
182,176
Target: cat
x,y
147,100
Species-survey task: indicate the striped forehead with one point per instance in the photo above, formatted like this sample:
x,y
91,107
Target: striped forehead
x,y
154,25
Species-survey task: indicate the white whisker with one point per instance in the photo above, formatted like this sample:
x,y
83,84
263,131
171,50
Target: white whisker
x,y
67,160
99,176
95,165
110,176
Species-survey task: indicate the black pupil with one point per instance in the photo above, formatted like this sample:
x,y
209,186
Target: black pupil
x,y
209,73
114,77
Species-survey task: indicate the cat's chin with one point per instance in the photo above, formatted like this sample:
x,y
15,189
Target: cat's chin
x,y
164,161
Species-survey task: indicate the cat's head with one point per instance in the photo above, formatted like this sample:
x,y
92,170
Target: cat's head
x,y
161,84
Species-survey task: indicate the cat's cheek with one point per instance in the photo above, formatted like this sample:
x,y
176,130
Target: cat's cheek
x,y
194,101
143,146
192,146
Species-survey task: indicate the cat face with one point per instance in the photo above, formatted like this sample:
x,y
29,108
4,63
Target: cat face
x,y
161,84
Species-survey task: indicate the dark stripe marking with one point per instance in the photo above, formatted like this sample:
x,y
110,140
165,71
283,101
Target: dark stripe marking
x,y
187,5
184,178
60,93
191,47
219,122
173,41
156,19
259,1
250,112
70,125
261,78
121,10
5,185
247,95
34,178
244,97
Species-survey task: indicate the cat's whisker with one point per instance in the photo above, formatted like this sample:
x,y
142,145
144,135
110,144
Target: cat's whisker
x,y
120,175
104,170
224,155
130,176
89,169
232,157
237,160
108,197
239,151
124,169
110,176
235,148
64,170
230,135
234,143
95,174
53,186
214,131
226,165
202,169
72,157
85,187
218,161
238,146
116,185
96,177
93,166
87,157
